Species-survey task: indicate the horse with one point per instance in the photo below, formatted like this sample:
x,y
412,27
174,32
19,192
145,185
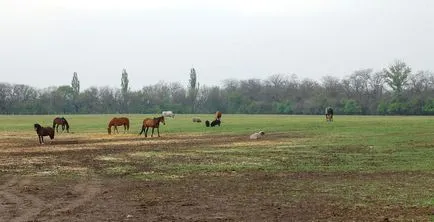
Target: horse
x,y
168,114
60,121
196,120
43,131
218,115
122,121
207,123
329,114
154,123
216,122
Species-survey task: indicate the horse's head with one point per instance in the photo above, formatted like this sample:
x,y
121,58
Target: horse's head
x,y
162,120
37,126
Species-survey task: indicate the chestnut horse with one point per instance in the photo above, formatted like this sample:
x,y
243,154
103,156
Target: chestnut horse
x,y
60,121
43,131
218,115
154,123
122,121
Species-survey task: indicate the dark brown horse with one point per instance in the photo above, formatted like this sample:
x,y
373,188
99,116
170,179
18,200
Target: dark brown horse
x,y
122,121
62,122
153,123
329,114
43,131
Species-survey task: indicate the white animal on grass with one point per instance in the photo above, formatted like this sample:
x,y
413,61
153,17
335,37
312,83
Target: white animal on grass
x,y
196,120
168,114
257,135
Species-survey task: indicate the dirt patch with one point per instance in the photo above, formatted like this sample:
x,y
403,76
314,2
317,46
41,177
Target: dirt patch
x,y
68,181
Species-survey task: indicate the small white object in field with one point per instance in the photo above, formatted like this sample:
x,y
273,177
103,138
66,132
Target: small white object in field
x,y
257,135
168,114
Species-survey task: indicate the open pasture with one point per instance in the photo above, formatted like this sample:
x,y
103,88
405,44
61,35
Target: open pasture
x,y
357,168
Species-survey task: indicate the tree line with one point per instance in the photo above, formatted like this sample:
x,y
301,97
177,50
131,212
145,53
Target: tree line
x,y
395,90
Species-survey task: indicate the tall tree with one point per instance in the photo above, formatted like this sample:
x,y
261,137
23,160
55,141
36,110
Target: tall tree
x,y
75,84
124,90
396,76
193,89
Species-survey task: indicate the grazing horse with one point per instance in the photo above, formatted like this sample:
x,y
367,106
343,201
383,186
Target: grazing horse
x,y
122,121
43,131
153,123
168,114
196,120
329,114
60,121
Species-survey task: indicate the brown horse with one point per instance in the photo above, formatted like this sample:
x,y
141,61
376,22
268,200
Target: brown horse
x,y
153,123
218,115
122,121
43,131
62,122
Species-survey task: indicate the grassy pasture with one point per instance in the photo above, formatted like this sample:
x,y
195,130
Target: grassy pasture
x,y
357,164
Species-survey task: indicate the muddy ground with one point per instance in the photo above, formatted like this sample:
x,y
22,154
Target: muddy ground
x,y
65,181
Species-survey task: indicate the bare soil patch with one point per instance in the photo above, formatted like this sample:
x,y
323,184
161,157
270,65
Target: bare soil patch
x,y
64,181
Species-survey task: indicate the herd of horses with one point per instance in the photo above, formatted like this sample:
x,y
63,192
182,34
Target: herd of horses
x,y
114,123
125,122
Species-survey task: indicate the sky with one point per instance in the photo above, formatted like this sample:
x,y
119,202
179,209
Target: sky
x,y
42,43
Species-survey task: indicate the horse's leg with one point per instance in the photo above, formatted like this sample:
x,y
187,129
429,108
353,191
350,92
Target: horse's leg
x,y
152,132
158,131
42,138
146,132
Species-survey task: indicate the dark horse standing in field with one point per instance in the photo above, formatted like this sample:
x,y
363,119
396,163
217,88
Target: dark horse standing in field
x,y
122,121
329,114
154,123
60,121
43,131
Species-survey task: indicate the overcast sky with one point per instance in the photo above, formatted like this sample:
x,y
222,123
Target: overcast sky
x,y
43,42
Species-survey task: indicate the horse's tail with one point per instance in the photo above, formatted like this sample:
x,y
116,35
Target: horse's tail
x,y
128,124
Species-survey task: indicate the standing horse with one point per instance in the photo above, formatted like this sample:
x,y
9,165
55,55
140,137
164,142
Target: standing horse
x,y
329,114
60,121
43,131
154,123
218,115
122,121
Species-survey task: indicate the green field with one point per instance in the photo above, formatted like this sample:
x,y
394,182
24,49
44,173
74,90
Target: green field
x,y
350,143
360,161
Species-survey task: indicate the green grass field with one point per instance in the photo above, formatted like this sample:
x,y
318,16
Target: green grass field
x,y
350,143
390,159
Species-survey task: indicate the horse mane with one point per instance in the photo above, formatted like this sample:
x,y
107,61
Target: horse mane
x,y
37,126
